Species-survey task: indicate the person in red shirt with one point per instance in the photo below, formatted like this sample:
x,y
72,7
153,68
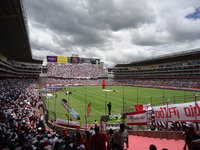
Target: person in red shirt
x,y
99,140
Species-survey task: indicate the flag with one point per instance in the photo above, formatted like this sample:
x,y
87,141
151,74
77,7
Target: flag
x,y
138,107
103,84
89,109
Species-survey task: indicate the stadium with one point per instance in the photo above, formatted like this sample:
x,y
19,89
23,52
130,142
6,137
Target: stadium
x,y
72,93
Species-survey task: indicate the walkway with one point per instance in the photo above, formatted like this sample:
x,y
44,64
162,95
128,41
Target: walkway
x,y
143,143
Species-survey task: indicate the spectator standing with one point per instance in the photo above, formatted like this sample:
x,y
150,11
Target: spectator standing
x,y
99,140
152,147
71,119
92,132
109,108
111,140
190,135
95,122
120,137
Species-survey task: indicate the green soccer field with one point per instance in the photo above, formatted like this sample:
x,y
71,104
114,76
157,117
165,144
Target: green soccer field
x,y
121,97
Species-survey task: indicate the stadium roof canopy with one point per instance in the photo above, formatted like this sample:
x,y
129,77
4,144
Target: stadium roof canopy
x,y
174,57
14,40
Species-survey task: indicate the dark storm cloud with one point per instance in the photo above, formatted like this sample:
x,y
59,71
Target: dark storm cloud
x,y
88,22
42,47
148,41
122,14
65,18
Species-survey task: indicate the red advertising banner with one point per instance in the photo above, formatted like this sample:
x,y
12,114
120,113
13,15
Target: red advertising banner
x,y
89,109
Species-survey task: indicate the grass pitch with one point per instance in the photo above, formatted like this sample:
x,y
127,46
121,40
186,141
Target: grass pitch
x,y
121,97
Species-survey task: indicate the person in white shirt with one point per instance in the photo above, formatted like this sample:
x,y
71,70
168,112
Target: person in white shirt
x,y
120,137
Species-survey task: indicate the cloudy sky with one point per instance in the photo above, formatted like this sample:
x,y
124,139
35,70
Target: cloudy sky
x,y
116,31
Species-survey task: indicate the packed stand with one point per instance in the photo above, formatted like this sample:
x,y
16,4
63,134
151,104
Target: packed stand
x,y
19,117
56,81
176,83
22,126
75,70
155,83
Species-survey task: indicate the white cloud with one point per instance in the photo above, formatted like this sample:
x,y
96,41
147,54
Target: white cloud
x,y
117,31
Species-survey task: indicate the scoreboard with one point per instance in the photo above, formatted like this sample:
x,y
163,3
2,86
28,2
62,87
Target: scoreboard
x,y
72,60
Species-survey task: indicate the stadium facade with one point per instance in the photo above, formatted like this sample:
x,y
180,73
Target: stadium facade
x,y
16,59
184,65
15,52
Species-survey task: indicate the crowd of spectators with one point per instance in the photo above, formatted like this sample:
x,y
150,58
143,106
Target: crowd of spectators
x,y
181,83
76,74
75,70
22,125
19,117
56,81
154,83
